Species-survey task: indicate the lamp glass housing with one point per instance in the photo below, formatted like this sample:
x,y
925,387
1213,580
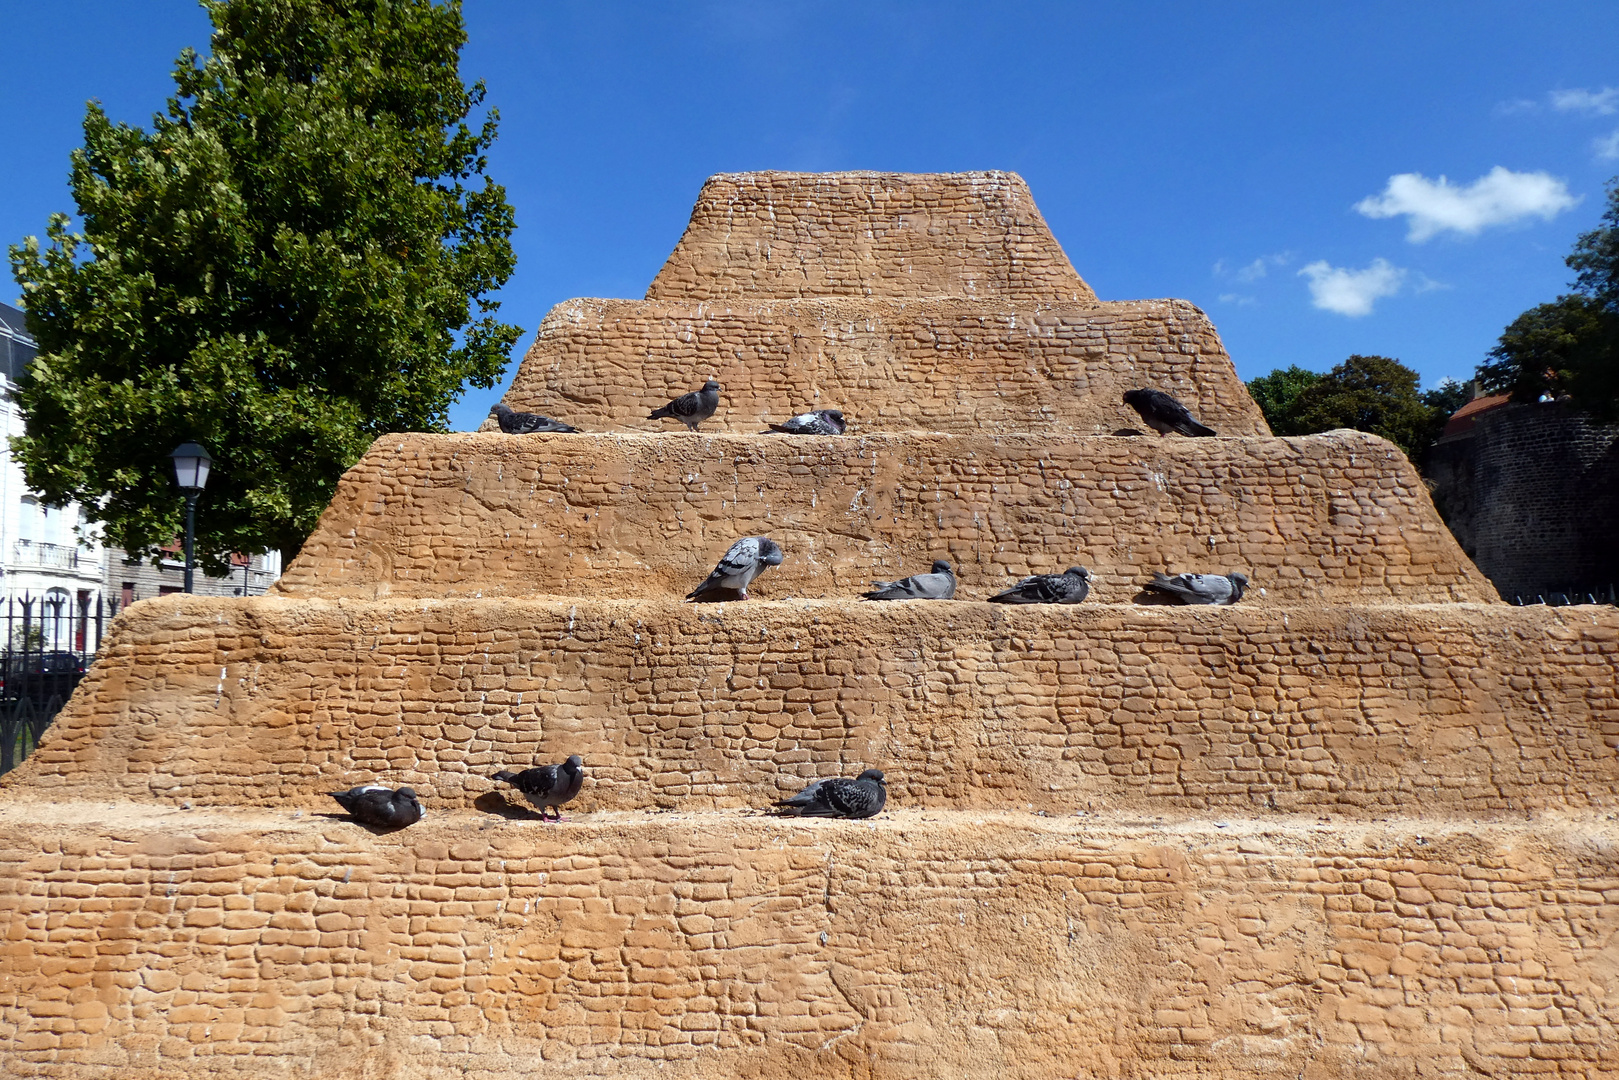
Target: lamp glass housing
x,y
191,464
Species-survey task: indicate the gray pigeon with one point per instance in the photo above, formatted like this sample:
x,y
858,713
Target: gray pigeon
x,y
373,804
691,409
862,797
1200,588
1163,413
548,785
747,559
527,423
819,422
1069,587
937,584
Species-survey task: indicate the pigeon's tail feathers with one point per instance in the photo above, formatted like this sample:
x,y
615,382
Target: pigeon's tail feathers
x,y
507,775
1192,427
659,413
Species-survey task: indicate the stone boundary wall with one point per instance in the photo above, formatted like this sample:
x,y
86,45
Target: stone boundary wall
x,y
775,235
931,365
1332,518
205,944
1532,494
1344,711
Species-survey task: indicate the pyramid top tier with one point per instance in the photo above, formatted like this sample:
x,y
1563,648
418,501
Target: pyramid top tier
x,y
788,236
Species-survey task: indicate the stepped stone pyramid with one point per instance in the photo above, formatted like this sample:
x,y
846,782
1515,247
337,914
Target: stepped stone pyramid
x,y
1361,824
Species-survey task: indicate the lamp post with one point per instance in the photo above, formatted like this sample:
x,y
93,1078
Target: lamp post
x,y
191,464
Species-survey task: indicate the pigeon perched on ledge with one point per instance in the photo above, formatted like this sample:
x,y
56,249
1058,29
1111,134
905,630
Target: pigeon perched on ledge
x,y
819,422
693,408
527,423
1069,587
747,559
1163,413
862,797
1200,588
385,808
548,786
937,584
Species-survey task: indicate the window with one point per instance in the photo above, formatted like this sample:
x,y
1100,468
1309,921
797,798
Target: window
x,y
128,595
28,520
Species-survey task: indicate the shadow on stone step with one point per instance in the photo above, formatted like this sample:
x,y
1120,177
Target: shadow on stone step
x,y
492,802
374,830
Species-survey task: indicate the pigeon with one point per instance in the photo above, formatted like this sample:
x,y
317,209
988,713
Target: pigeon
x,y
548,785
819,422
937,584
691,409
527,423
373,804
1069,587
1200,588
862,797
747,559
1163,413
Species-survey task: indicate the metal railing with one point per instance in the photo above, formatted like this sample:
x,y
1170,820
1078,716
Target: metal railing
x,y
1574,594
48,645
35,553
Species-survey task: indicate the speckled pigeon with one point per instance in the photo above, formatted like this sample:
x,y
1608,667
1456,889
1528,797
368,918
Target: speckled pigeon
x,y
373,804
747,559
548,786
937,584
819,422
1200,588
1163,413
1069,587
693,408
527,423
862,797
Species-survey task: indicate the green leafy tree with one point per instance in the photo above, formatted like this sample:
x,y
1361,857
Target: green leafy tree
x,y
1277,395
1371,393
1569,348
1447,397
283,268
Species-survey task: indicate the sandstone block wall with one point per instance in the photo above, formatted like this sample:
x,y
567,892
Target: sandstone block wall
x,y
774,235
928,365
1341,711
205,943
1319,519
1361,825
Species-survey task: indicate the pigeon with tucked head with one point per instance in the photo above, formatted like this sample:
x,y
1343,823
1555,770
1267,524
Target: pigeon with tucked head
x,y
745,560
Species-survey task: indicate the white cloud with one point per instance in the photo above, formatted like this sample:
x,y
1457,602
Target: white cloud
x,y
1351,292
1255,270
1604,102
1516,107
1238,299
1499,197
1607,147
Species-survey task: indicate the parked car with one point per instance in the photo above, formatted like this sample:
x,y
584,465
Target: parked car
x,y
39,676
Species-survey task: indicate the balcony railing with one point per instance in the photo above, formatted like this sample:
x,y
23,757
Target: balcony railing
x,y
55,556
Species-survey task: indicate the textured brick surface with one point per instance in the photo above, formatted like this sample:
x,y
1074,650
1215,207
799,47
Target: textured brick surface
x,y
1361,825
929,365
773,235
273,702
1320,519
205,944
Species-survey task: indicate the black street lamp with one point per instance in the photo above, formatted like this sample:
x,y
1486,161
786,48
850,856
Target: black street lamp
x,y
191,464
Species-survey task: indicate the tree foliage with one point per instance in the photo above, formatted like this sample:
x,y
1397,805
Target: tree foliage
x,y
1367,393
1569,348
283,268
1277,395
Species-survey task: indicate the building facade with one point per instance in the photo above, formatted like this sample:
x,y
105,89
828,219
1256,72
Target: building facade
x,y
52,566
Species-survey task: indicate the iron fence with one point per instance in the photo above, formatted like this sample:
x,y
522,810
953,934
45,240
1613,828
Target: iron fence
x,y
48,645
1574,594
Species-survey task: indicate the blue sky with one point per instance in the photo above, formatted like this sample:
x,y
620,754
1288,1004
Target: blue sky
x,y
1278,164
